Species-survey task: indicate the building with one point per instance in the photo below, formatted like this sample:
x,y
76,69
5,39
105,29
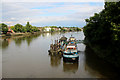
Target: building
x,y
10,30
40,28
48,29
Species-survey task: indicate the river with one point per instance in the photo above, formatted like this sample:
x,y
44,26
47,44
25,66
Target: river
x,y
28,57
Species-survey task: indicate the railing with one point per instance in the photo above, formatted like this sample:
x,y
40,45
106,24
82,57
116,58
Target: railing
x,y
79,41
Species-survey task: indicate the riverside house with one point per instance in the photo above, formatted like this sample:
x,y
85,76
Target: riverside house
x,y
47,29
10,30
56,29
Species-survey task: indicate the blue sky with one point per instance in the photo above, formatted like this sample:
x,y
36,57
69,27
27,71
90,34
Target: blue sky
x,y
49,13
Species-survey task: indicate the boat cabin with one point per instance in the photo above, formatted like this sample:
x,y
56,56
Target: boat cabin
x,y
71,47
72,39
63,39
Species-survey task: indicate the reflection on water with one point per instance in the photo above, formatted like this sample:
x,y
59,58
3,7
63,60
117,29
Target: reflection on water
x,y
70,67
27,57
18,40
55,60
99,66
5,43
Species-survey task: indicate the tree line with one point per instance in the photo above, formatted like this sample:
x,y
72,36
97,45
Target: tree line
x,y
30,28
18,28
62,29
102,33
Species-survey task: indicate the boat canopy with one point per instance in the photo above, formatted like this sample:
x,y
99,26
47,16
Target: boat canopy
x,y
72,42
72,38
70,46
63,39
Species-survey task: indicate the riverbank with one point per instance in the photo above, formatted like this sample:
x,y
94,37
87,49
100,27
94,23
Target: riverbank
x,y
102,34
109,53
28,33
100,65
15,34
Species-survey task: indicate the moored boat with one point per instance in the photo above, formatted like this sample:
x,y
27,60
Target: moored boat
x,y
71,52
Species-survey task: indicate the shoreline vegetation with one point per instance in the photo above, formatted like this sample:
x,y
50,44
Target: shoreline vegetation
x,y
18,29
102,33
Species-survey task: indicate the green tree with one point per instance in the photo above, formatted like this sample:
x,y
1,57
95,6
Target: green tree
x,y
34,29
12,27
70,29
52,30
78,29
62,29
28,27
43,29
3,28
102,33
24,29
18,28
0,29
53,26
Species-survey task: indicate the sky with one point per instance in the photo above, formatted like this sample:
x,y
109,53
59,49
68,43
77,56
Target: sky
x,y
49,13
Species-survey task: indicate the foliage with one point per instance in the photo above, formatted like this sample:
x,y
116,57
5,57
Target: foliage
x,y
53,26
27,28
18,28
0,28
62,29
78,29
70,29
52,30
12,27
30,28
34,29
102,32
43,29
3,28
24,29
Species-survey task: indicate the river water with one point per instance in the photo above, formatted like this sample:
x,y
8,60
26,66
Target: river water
x,y
28,57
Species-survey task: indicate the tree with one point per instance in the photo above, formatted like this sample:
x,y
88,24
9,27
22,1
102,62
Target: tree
x,y
70,29
18,28
43,29
52,30
28,27
0,29
102,33
53,26
12,27
60,27
78,29
34,29
24,29
3,28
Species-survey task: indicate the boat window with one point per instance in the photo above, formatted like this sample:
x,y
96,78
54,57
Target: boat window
x,y
70,48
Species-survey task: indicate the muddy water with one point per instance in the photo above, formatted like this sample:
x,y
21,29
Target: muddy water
x,y
27,57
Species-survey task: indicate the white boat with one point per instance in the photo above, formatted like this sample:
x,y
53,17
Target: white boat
x,y
71,52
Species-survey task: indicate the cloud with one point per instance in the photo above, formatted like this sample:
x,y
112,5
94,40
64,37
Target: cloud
x,y
42,14
53,0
